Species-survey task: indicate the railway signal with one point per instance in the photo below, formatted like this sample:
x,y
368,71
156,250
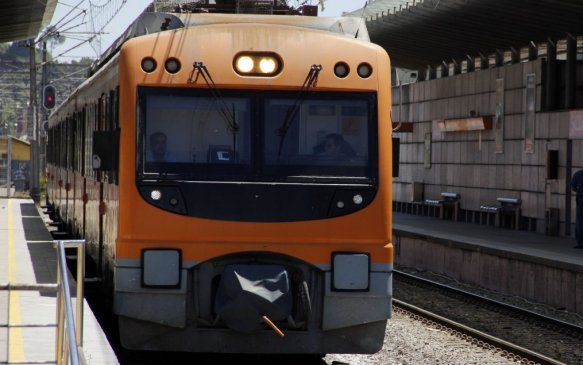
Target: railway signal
x,y
49,97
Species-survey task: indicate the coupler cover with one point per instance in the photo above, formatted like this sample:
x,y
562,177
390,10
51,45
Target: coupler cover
x,y
248,292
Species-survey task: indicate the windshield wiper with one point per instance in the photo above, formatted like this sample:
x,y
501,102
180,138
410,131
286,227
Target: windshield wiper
x,y
227,113
292,110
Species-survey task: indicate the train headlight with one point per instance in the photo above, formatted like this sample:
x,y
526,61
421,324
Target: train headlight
x,y
267,65
172,65
364,70
350,271
161,268
341,70
149,64
245,64
155,194
257,64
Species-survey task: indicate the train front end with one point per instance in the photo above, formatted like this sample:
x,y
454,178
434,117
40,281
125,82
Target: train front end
x,y
255,191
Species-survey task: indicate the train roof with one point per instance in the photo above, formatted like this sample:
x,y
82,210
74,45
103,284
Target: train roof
x,y
148,23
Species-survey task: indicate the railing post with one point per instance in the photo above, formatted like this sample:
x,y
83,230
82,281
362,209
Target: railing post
x,y
69,331
80,290
60,331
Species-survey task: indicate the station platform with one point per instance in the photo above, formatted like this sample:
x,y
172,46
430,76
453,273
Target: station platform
x,y
545,269
28,318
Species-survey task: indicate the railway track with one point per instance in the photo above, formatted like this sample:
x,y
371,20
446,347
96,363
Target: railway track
x,y
519,332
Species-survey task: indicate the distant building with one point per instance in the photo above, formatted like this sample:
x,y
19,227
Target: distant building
x,y
19,161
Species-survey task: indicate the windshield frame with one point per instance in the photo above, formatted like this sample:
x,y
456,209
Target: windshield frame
x,y
258,171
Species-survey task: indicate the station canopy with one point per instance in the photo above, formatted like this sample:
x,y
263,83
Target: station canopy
x,y
427,32
24,19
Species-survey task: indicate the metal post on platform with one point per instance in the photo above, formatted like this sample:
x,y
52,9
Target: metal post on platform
x,y
8,165
33,132
69,338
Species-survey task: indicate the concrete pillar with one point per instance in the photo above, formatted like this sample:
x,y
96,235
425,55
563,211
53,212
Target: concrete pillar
x,y
551,77
457,67
471,63
499,57
571,72
568,170
421,74
514,55
431,73
532,51
484,62
444,69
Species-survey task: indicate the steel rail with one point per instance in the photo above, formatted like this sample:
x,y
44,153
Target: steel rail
x,y
494,341
526,312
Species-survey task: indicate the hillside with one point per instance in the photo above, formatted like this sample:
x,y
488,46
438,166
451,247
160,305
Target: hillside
x,y
15,84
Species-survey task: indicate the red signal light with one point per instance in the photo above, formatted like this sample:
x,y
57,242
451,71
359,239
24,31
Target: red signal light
x,y
49,97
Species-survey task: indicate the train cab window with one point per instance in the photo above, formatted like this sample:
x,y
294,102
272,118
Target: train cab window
x,y
327,136
195,133
189,134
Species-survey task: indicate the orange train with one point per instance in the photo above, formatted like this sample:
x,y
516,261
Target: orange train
x,y
232,175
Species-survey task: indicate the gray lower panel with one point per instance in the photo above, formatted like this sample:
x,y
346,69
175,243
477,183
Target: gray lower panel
x,y
345,309
341,310
139,335
162,308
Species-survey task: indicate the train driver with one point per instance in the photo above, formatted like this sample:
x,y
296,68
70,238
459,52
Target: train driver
x,y
157,150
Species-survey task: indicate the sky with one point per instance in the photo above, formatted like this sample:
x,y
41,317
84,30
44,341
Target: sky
x,y
67,15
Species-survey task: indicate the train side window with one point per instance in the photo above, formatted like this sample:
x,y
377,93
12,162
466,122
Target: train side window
x,y
105,150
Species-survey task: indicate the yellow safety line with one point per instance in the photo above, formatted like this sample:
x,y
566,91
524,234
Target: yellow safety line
x,y
16,345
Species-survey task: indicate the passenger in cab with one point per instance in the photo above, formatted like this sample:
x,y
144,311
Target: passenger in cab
x,y
334,145
157,149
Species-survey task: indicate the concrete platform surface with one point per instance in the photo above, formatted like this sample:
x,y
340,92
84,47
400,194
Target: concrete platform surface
x,y
543,269
555,251
28,318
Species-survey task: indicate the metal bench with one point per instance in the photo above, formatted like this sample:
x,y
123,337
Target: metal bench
x,y
506,213
509,208
449,202
489,213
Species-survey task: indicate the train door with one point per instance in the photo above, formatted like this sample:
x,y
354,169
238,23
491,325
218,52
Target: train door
x,y
92,189
100,176
69,186
78,187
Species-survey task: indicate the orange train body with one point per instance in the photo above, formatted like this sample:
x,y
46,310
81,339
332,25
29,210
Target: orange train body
x,y
185,242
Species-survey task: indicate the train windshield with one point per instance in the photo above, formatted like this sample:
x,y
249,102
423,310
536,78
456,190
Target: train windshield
x,y
276,136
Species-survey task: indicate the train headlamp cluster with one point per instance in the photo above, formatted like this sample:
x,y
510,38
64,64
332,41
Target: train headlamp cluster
x,y
267,64
172,65
341,70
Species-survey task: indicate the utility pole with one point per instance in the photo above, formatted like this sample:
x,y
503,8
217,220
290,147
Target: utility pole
x,y
45,114
33,132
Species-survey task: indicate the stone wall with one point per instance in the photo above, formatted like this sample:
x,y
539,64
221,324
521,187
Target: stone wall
x,y
468,163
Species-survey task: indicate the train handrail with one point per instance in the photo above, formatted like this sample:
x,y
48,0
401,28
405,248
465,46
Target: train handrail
x,y
69,330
